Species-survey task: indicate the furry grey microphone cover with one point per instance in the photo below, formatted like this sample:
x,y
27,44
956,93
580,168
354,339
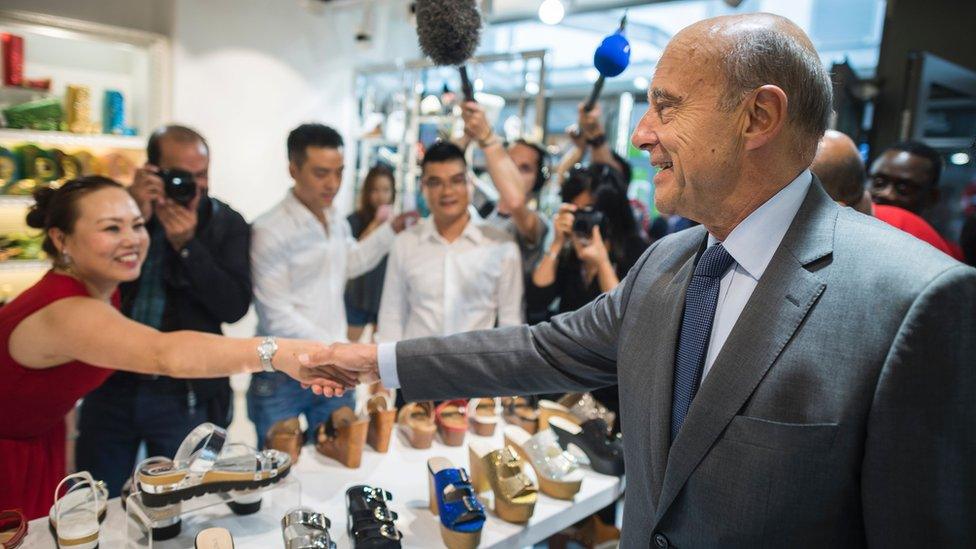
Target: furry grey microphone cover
x,y
448,30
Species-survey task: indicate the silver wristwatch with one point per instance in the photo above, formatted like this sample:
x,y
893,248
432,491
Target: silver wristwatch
x,y
266,352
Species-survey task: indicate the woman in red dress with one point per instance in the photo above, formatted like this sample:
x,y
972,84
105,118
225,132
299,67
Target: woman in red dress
x,y
64,336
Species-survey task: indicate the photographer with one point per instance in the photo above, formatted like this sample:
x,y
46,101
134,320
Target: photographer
x,y
195,277
596,241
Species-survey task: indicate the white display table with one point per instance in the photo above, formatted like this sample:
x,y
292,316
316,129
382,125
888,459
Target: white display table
x,y
403,472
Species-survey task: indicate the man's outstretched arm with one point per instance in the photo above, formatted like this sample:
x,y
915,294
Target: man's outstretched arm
x,y
575,351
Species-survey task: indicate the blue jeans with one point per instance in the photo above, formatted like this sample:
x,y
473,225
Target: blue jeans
x,y
273,396
121,414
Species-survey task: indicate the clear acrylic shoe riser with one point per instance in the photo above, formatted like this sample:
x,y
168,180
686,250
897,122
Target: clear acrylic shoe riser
x,y
209,510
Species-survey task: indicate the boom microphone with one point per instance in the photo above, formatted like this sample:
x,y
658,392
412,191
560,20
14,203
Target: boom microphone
x,y
610,59
448,32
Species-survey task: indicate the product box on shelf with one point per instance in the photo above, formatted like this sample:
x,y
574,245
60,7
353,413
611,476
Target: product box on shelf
x,y
12,52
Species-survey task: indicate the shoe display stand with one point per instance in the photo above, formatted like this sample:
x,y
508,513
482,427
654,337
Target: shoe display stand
x,y
258,510
324,481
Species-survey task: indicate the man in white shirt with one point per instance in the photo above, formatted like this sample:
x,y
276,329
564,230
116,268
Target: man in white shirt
x,y
302,253
451,272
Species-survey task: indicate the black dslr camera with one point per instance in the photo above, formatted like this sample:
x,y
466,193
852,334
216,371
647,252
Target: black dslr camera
x,y
179,185
584,220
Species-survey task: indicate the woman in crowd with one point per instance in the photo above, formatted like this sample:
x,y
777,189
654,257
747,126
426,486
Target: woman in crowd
x,y
375,206
579,267
64,335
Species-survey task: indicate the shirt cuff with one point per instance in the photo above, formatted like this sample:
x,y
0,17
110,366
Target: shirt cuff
x,y
386,356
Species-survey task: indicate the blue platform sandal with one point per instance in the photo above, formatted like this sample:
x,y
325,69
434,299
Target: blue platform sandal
x,y
454,500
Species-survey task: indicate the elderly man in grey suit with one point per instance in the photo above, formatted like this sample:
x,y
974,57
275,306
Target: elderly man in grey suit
x,y
792,373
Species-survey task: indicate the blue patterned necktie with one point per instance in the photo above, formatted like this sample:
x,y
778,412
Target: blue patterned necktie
x,y
696,329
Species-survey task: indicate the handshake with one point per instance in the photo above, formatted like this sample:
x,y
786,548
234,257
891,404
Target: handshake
x,y
333,369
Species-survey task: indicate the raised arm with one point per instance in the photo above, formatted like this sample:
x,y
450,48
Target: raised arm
x,y
503,171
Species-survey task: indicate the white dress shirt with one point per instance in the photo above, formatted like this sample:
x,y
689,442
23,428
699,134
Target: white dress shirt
x,y
751,244
434,287
299,270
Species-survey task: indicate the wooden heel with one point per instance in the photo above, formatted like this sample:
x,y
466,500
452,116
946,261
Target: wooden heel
x,y
460,540
483,429
432,493
348,440
380,429
479,477
513,512
451,437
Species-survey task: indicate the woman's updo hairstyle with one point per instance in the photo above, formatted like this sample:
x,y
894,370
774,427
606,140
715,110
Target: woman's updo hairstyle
x,y
58,208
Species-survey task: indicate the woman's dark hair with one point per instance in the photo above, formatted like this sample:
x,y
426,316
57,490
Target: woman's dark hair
x,y
605,186
366,210
58,208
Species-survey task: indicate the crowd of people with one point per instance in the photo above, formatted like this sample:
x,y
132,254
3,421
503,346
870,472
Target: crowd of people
x,y
142,284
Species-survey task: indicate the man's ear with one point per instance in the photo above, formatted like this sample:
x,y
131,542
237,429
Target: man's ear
x,y
766,111
293,169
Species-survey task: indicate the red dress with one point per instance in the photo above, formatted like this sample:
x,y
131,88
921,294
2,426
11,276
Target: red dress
x,y
33,404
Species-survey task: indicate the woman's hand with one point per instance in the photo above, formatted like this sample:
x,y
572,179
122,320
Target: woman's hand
x,y
562,224
592,252
313,364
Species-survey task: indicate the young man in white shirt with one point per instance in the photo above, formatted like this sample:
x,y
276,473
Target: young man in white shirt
x,y
302,253
451,272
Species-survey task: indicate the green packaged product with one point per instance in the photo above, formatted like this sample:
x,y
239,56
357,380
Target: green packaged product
x,y
43,114
9,169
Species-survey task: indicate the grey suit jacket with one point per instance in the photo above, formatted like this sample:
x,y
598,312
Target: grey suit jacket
x,y
841,411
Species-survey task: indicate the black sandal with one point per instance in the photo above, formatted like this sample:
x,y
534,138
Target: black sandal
x,y
370,522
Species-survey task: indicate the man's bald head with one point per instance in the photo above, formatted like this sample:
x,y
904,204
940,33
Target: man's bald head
x,y
753,50
839,166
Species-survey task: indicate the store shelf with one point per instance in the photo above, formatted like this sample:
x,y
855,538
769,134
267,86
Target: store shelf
x,y
7,200
66,139
12,95
17,265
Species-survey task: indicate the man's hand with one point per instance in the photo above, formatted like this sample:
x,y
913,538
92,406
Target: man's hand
x,y
476,124
342,363
310,363
179,222
404,220
147,190
590,123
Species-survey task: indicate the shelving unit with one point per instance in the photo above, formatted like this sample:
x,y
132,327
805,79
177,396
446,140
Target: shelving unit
x,y
399,88
66,139
100,58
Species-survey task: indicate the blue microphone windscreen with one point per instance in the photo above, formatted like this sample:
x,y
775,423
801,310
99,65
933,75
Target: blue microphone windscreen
x,y
613,55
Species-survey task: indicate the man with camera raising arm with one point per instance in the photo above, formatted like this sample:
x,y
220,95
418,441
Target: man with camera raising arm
x,y
784,380
196,276
518,173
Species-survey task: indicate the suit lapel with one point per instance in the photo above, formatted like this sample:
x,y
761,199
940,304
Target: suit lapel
x,y
664,316
782,299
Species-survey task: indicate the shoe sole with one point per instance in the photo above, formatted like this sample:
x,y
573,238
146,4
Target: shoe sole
x,y
176,496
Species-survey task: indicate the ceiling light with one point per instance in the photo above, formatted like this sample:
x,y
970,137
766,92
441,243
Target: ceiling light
x,y
532,88
959,159
641,83
551,12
